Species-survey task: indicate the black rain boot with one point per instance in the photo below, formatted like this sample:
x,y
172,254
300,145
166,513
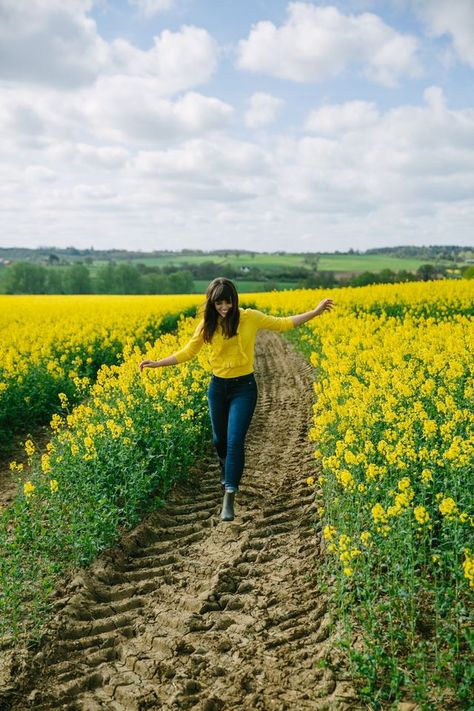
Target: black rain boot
x,y
227,513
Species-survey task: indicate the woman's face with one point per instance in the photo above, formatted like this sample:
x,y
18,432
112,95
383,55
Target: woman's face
x,y
223,307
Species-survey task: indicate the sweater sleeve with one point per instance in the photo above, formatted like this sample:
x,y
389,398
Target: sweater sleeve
x,y
272,323
193,347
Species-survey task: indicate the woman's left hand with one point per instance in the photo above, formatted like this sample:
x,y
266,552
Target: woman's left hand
x,y
324,305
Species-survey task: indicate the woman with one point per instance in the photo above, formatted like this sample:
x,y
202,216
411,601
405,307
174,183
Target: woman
x,y
232,393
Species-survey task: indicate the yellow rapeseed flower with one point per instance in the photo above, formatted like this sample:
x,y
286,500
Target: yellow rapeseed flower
x,y
421,514
28,489
426,476
378,513
346,479
329,532
29,447
468,566
344,541
46,463
448,507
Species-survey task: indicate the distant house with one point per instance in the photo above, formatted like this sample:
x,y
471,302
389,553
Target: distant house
x,y
244,269
5,262
453,273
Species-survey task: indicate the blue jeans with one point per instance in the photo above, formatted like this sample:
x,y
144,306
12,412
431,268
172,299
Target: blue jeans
x,y
231,405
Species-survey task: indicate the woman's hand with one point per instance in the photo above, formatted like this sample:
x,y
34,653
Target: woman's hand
x,y
147,364
324,305
170,360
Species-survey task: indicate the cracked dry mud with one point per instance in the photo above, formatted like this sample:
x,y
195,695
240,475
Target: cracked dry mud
x,y
189,612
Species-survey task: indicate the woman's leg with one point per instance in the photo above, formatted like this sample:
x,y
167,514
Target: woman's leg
x,y
219,412
242,406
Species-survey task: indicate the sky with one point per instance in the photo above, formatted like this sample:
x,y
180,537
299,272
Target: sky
x,y
222,124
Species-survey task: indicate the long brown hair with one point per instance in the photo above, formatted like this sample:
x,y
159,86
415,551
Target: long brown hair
x,y
220,289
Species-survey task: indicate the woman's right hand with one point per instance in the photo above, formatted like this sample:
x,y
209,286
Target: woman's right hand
x,y
147,364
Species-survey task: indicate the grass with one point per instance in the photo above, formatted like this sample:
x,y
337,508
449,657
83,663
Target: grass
x,y
247,286
275,262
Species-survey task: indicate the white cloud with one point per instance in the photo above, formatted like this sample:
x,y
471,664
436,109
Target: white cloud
x,y
131,108
409,156
177,60
454,18
317,43
122,110
111,157
111,143
152,7
52,43
93,192
39,173
263,110
204,159
350,116
57,44
363,177
129,101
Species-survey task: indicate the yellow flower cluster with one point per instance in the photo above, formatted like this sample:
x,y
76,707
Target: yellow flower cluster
x,y
103,417
421,514
448,507
59,337
329,532
393,415
28,489
342,549
468,566
103,420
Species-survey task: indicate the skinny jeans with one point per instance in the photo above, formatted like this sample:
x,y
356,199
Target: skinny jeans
x,y
232,403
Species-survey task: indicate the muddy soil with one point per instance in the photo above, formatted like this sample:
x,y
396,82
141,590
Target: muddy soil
x,y
190,612
9,481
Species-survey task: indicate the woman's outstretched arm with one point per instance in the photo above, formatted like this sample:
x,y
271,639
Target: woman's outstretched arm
x,y
186,353
324,305
170,360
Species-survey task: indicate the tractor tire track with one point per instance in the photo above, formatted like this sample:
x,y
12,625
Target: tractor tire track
x,y
189,612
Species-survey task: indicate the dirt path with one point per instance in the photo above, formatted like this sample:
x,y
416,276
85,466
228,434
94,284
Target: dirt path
x,y
9,481
8,485
190,612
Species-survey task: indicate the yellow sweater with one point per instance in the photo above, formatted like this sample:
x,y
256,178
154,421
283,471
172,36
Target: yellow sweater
x,y
232,357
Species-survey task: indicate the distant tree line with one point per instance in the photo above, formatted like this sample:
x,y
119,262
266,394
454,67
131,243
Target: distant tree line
x,y
126,278
428,253
111,278
329,279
